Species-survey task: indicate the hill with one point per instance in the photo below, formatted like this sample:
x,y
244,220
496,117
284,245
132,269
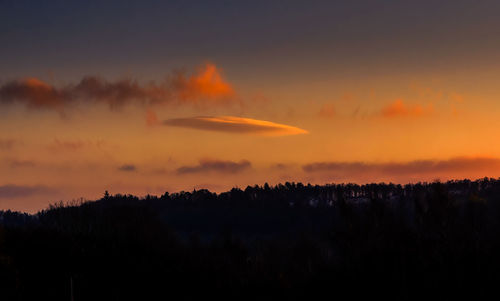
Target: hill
x,y
291,241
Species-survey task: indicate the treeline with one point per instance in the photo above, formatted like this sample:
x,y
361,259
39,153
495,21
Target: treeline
x,y
290,241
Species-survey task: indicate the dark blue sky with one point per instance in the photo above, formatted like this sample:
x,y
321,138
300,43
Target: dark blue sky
x,y
69,38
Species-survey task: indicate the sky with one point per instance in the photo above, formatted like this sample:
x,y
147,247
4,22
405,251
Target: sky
x,y
144,97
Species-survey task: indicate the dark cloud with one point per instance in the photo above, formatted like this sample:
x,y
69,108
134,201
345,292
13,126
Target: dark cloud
x,y
231,124
18,191
211,187
127,167
283,166
280,166
419,167
218,166
206,87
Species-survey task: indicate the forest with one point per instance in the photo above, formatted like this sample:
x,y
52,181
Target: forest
x,y
286,242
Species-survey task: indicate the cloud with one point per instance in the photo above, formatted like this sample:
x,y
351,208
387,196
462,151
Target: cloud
x,y
7,144
18,191
211,187
33,92
14,163
327,111
399,109
217,166
206,87
413,169
151,118
280,166
71,146
208,83
239,125
456,101
127,167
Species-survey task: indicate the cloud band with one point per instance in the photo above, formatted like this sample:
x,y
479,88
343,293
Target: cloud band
x,y
231,124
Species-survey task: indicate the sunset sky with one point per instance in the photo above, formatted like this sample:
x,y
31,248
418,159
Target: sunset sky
x,y
152,96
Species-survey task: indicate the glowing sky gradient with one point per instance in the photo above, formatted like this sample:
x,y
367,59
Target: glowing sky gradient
x,y
146,96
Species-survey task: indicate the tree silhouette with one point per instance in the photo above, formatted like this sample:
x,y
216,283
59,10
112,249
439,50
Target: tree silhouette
x,y
288,241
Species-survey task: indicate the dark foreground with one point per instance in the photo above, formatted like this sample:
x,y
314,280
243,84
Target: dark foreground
x,y
437,240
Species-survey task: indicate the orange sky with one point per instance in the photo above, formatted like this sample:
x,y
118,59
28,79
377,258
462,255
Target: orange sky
x,y
64,145
341,92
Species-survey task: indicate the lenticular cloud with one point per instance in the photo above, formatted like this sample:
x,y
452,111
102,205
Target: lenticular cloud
x,y
238,125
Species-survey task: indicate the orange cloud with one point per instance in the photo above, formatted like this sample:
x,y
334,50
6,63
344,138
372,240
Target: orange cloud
x,y
456,97
205,87
327,111
151,118
399,109
455,101
231,124
207,84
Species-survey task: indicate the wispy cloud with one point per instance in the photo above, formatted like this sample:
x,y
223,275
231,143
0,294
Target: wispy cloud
x,y
127,167
151,118
7,144
58,145
16,163
327,111
206,87
239,125
399,109
217,166
280,166
73,145
18,191
418,168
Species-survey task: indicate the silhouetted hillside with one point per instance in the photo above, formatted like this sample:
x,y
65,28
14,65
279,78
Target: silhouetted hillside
x,y
291,241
